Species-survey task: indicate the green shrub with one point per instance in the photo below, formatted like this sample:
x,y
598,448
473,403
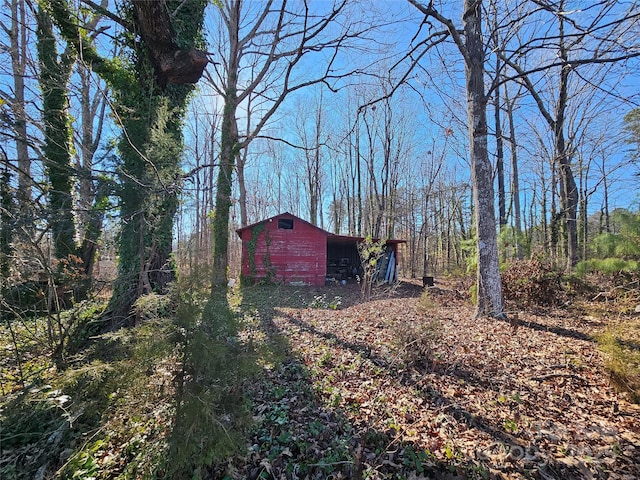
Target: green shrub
x,y
153,306
608,266
621,346
210,404
426,302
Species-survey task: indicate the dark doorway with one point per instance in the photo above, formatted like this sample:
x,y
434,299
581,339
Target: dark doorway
x,y
343,259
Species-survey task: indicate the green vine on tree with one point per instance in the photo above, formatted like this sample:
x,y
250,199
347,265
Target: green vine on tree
x,y
270,271
151,115
251,248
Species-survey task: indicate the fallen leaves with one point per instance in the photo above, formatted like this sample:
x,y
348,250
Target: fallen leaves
x,y
491,401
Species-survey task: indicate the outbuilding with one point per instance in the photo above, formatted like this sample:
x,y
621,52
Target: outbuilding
x,y
288,249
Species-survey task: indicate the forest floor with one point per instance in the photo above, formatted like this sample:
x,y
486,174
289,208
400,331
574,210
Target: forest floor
x,y
411,385
282,382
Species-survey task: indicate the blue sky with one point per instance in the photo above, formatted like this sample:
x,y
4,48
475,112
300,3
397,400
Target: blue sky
x,y
431,106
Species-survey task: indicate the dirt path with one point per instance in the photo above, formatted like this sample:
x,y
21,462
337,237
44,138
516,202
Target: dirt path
x,y
352,399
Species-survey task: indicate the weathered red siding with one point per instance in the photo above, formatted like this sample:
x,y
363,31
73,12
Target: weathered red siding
x,y
296,255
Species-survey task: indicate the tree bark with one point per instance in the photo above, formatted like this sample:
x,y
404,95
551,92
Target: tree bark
x,y
229,150
19,57
172,64
515,178
568,188
489,284
502,203
7,221
471,47
55,71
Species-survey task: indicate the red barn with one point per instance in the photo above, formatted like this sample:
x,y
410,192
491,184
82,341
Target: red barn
x,y
288,249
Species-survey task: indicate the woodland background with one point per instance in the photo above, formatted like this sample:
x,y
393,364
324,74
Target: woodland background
x,y
137,136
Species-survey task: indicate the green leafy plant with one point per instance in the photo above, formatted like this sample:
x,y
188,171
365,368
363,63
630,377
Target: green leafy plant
x,y
624,241
616,252
608,266
83,465
510,242
153,306
321,302
420,460
426,302
621,346
371,251
510,425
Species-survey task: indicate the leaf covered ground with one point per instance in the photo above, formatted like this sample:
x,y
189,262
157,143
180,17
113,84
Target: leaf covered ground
x,y
277,382
411,385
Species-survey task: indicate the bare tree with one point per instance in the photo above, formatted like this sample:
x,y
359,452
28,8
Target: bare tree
x,y
92,189
469,42
17,32
263,47
310,125
604,36
515,177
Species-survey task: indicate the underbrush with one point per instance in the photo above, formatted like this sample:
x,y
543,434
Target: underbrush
x,y
93,417
616,299
415,341
608,289
613,266
621,346
163,399
532,282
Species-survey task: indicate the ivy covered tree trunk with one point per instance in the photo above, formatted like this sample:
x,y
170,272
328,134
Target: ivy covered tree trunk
x,y
55,71
149,184
229,150
150,104
150,155
224,182
165,35
150,179
93,228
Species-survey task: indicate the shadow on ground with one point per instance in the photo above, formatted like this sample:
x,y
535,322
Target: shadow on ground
x,y
298,432
301,432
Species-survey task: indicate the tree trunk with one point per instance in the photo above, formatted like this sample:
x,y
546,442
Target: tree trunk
x,y
171,63
313,158
358,189
150,177
229,144
93,114
605,193
148,204
55,71
242,188
515,179
554,225
19,55
7,221
149,148
502,203
568,188
489,284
